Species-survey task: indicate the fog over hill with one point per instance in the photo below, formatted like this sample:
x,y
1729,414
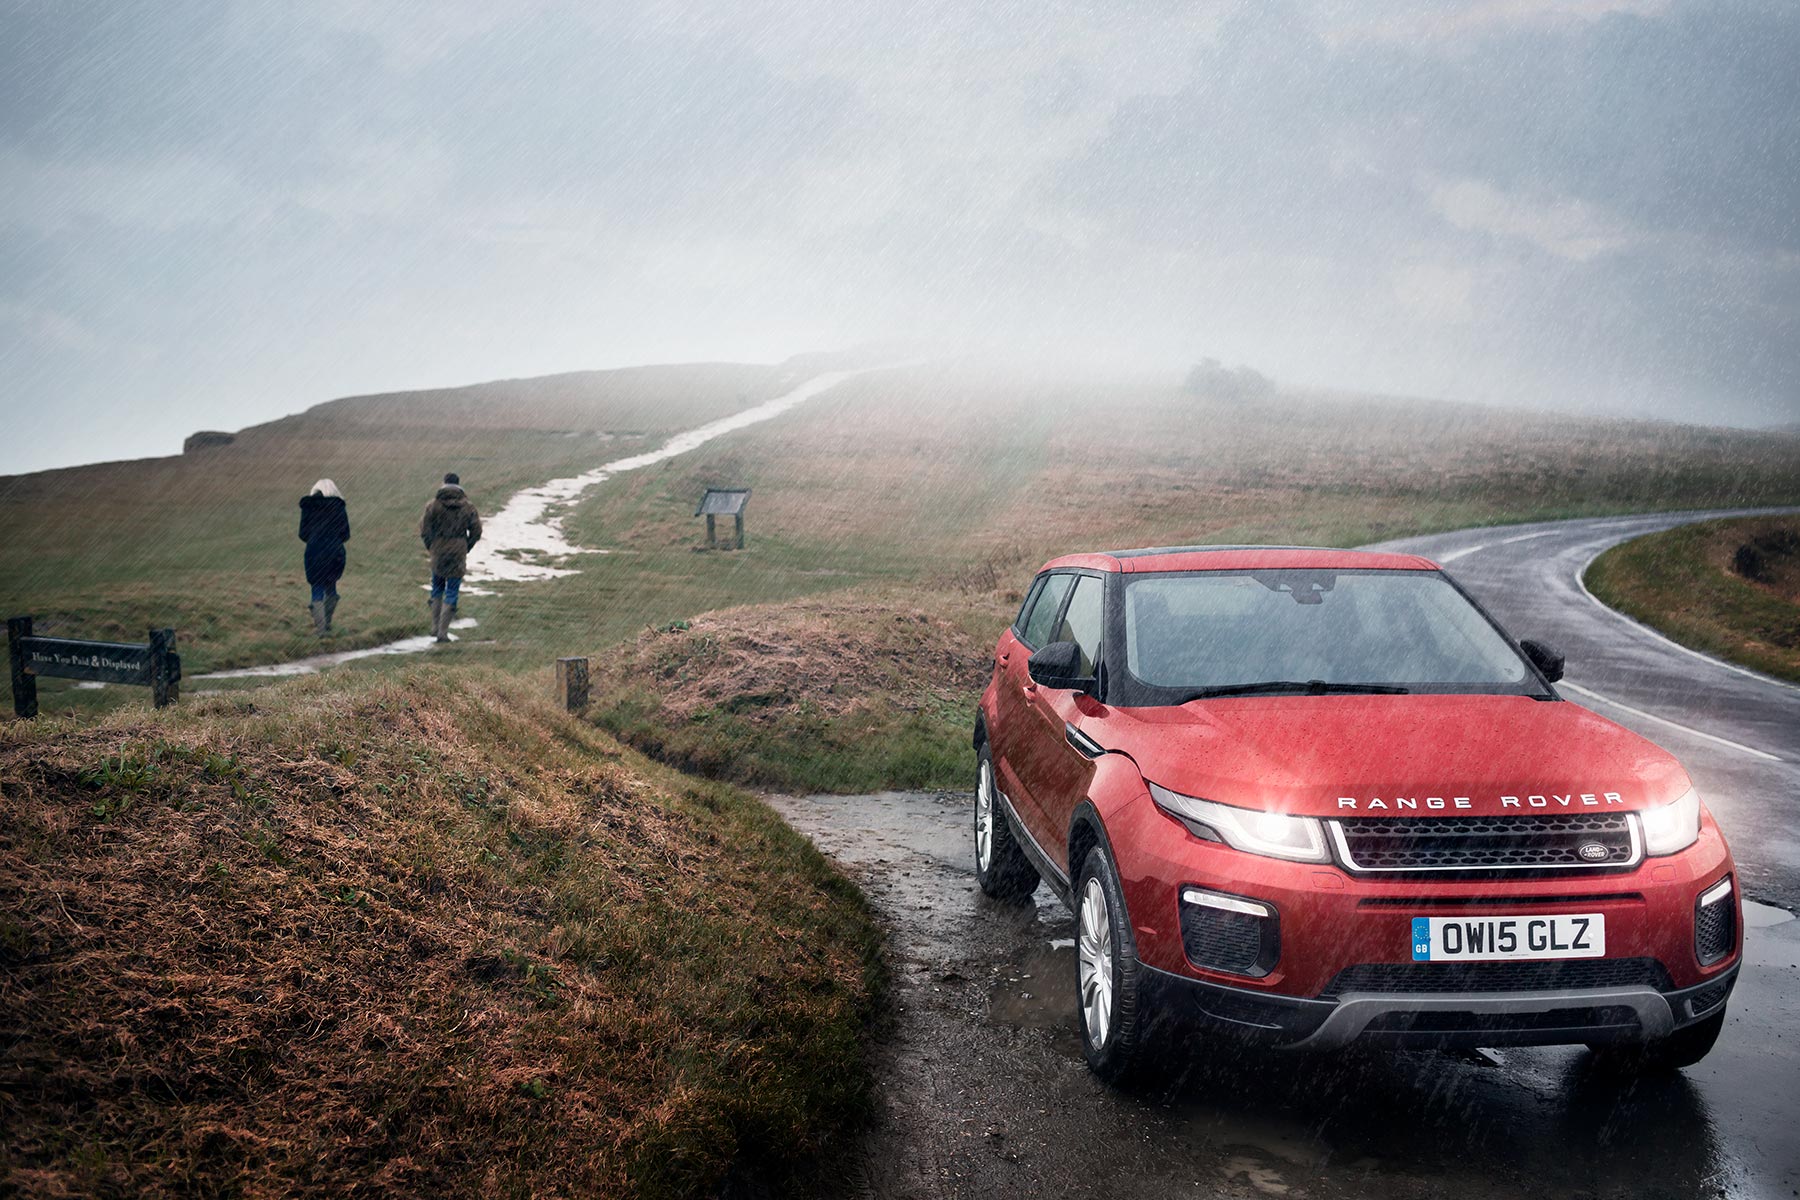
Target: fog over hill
x,y
216,214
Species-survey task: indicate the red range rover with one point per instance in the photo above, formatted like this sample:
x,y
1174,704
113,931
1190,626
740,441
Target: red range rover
x,y
1314,796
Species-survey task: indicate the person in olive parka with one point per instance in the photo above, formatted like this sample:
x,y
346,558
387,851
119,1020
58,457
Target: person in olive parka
x,y
449,529
324,527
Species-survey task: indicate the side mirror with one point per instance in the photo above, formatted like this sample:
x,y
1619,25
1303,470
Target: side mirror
x,y
1547,659
1056,665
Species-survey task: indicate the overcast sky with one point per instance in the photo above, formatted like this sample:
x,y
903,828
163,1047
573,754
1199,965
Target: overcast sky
x,y
212,214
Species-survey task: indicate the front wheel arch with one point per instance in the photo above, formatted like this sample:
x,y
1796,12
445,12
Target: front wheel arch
x,y
1087,830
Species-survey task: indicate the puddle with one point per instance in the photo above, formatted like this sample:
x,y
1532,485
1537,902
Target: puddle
x,y
1036,990
1764,916
315,663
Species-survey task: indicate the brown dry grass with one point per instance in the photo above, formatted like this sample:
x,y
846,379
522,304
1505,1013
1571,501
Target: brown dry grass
x,y
912,473
831,653
832,693
413,937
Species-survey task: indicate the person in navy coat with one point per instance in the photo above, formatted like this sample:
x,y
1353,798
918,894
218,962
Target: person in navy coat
x,y
324,527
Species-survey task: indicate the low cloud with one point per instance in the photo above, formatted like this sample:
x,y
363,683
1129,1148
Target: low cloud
x,y
1568,229
1586,200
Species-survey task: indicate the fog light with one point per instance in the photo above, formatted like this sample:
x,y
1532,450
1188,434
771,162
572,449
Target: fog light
x,y
1715,923
1221,932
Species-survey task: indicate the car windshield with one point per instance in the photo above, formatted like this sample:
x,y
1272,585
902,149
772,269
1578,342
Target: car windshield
x,y
1309,630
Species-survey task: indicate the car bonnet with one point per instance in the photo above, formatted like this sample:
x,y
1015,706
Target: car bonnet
x,y
1314,755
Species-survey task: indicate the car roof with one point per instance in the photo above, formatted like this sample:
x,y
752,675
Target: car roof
x,y
1241,558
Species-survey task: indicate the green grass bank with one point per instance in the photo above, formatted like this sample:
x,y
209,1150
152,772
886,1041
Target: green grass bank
x,y
1730,588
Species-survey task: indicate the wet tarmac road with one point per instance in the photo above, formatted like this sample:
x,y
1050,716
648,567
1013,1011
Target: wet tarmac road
x,y
985,1092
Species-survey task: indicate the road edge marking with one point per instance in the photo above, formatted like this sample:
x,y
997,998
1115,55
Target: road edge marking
x,y
1463,553
1687,729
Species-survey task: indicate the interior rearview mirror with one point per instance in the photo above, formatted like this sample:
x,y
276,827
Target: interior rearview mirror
x,y
1056,665
1545,658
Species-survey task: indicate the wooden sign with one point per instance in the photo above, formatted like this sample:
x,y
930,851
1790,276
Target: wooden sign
x,y
153,664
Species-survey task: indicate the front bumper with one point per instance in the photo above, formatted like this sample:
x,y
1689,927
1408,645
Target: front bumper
x,y
1337,967
1434,1020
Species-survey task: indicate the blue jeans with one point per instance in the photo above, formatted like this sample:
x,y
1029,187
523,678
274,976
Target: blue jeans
x,y
446,588
323,591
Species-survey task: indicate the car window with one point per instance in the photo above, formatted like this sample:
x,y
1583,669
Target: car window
x,y
1031,594
1405,628
1083,621
1042,618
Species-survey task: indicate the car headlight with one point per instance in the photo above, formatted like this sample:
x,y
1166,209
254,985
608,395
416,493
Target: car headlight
x,y
1272,835
1673,827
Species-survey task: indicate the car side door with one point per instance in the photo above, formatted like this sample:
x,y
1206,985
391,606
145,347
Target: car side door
x,y
1056,773
1014,720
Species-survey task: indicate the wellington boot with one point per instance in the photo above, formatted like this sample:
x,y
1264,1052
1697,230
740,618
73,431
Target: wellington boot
x,y
318,615
446,614
330,608
437,606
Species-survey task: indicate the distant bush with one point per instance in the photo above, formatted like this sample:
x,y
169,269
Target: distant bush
x,y
1209,377
1756,558
206,439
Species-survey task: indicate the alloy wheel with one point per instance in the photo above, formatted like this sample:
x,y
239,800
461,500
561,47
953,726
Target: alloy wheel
x,y
984,817
1094,951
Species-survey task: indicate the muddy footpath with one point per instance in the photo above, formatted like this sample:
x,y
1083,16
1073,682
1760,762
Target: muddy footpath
x,y
984,1091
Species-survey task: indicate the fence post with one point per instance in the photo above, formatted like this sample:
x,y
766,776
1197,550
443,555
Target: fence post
x,y
572,683
164,689
24,686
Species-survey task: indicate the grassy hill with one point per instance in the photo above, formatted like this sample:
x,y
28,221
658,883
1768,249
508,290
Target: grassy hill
x,y
914,479
205,541
407,937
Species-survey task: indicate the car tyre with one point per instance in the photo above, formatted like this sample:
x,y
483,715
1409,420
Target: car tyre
x,y
1109,980
1001,867
1683,1048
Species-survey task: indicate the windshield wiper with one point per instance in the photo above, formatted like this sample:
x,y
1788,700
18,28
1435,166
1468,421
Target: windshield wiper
x,y
1311,687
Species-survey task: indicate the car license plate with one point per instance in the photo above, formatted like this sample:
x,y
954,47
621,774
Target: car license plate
x,y
1479,939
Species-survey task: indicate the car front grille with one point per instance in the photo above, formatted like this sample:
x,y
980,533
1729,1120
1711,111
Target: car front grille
x,y
1499,976
1528,842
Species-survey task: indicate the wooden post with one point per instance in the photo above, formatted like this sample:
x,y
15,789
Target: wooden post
x,y
712,537
24,685
572,683
165,688
740,529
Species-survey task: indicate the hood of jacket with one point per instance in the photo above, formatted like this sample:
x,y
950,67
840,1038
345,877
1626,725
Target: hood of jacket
x,y
451,496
